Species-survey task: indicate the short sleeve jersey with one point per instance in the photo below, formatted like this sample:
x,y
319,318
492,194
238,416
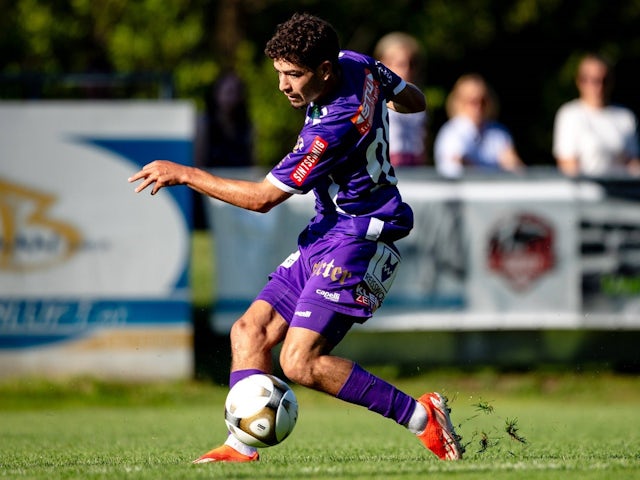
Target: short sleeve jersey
x,y
342,155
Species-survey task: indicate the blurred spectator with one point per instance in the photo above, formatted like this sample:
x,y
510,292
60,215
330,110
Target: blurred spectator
x,y
472,140
407,131
590,136
225,136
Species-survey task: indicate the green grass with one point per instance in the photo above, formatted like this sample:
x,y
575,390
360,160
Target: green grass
x,y
576,427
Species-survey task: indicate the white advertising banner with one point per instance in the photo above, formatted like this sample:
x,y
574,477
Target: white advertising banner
x,y
483,255
93,277
523,249
248,246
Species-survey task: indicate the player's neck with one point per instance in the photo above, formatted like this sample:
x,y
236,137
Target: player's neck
x,y
331,86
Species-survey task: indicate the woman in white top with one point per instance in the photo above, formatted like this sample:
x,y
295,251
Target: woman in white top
x,y
472,140
590,136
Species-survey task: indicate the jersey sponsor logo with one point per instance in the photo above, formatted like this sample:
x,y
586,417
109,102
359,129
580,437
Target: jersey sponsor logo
x,y
364,296
304,314
330,270
382,271
375,286
331,296
310,160
363,119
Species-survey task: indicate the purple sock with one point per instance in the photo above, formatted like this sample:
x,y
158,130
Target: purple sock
x,y
365,389
235,377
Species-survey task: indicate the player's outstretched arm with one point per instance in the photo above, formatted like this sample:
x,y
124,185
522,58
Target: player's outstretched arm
x,y
256,196
409,100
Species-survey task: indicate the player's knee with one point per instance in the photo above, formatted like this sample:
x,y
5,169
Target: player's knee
x,y
297,373
244,334
297,366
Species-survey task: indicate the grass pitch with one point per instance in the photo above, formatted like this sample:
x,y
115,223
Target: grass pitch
x,y
533,426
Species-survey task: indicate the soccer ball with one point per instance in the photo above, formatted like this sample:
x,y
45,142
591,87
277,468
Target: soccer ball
x,y
261,410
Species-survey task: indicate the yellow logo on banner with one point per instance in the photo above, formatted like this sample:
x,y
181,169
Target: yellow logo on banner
x,y
29,238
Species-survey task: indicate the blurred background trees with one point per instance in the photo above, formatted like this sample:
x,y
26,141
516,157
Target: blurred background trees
x,y
527,49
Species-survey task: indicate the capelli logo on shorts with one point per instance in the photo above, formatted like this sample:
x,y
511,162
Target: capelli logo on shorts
x,y
304,314
331,296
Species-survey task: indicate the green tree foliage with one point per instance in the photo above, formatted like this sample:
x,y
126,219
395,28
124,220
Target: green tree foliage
x,y
527,49
276,123
109,36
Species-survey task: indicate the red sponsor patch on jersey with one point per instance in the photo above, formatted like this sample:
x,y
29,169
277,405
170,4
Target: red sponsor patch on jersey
x,y
363,119
310,160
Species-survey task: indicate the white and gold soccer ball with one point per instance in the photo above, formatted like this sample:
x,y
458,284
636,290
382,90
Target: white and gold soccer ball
x,y
261,410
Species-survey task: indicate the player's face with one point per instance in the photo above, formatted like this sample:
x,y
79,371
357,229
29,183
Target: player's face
x,y
300,84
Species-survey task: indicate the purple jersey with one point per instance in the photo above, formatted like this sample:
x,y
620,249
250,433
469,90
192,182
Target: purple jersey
x,y
342,154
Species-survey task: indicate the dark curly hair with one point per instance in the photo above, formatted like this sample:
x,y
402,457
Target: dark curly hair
x,y
304,40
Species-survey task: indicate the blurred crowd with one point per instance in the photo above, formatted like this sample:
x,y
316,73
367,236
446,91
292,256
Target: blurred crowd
x,y
591,136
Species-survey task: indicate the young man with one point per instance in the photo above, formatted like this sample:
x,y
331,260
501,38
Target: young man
x,y
346,259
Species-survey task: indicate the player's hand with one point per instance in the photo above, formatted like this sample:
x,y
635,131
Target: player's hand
x,y
160,173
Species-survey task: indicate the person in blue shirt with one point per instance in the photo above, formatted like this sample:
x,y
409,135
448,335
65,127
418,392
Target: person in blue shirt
x,y
472,140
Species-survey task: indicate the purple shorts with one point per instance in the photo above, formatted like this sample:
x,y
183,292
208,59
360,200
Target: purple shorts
x,y
331,282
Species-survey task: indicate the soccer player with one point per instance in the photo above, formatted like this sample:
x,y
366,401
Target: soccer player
x,y
346,259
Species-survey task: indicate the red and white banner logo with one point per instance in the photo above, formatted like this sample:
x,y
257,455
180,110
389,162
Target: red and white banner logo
x,y
521,249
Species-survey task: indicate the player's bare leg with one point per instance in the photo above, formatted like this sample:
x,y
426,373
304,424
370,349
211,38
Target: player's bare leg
x,y
253,337
305,359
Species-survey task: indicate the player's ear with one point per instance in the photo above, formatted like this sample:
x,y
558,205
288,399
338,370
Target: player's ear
x,y
325,70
